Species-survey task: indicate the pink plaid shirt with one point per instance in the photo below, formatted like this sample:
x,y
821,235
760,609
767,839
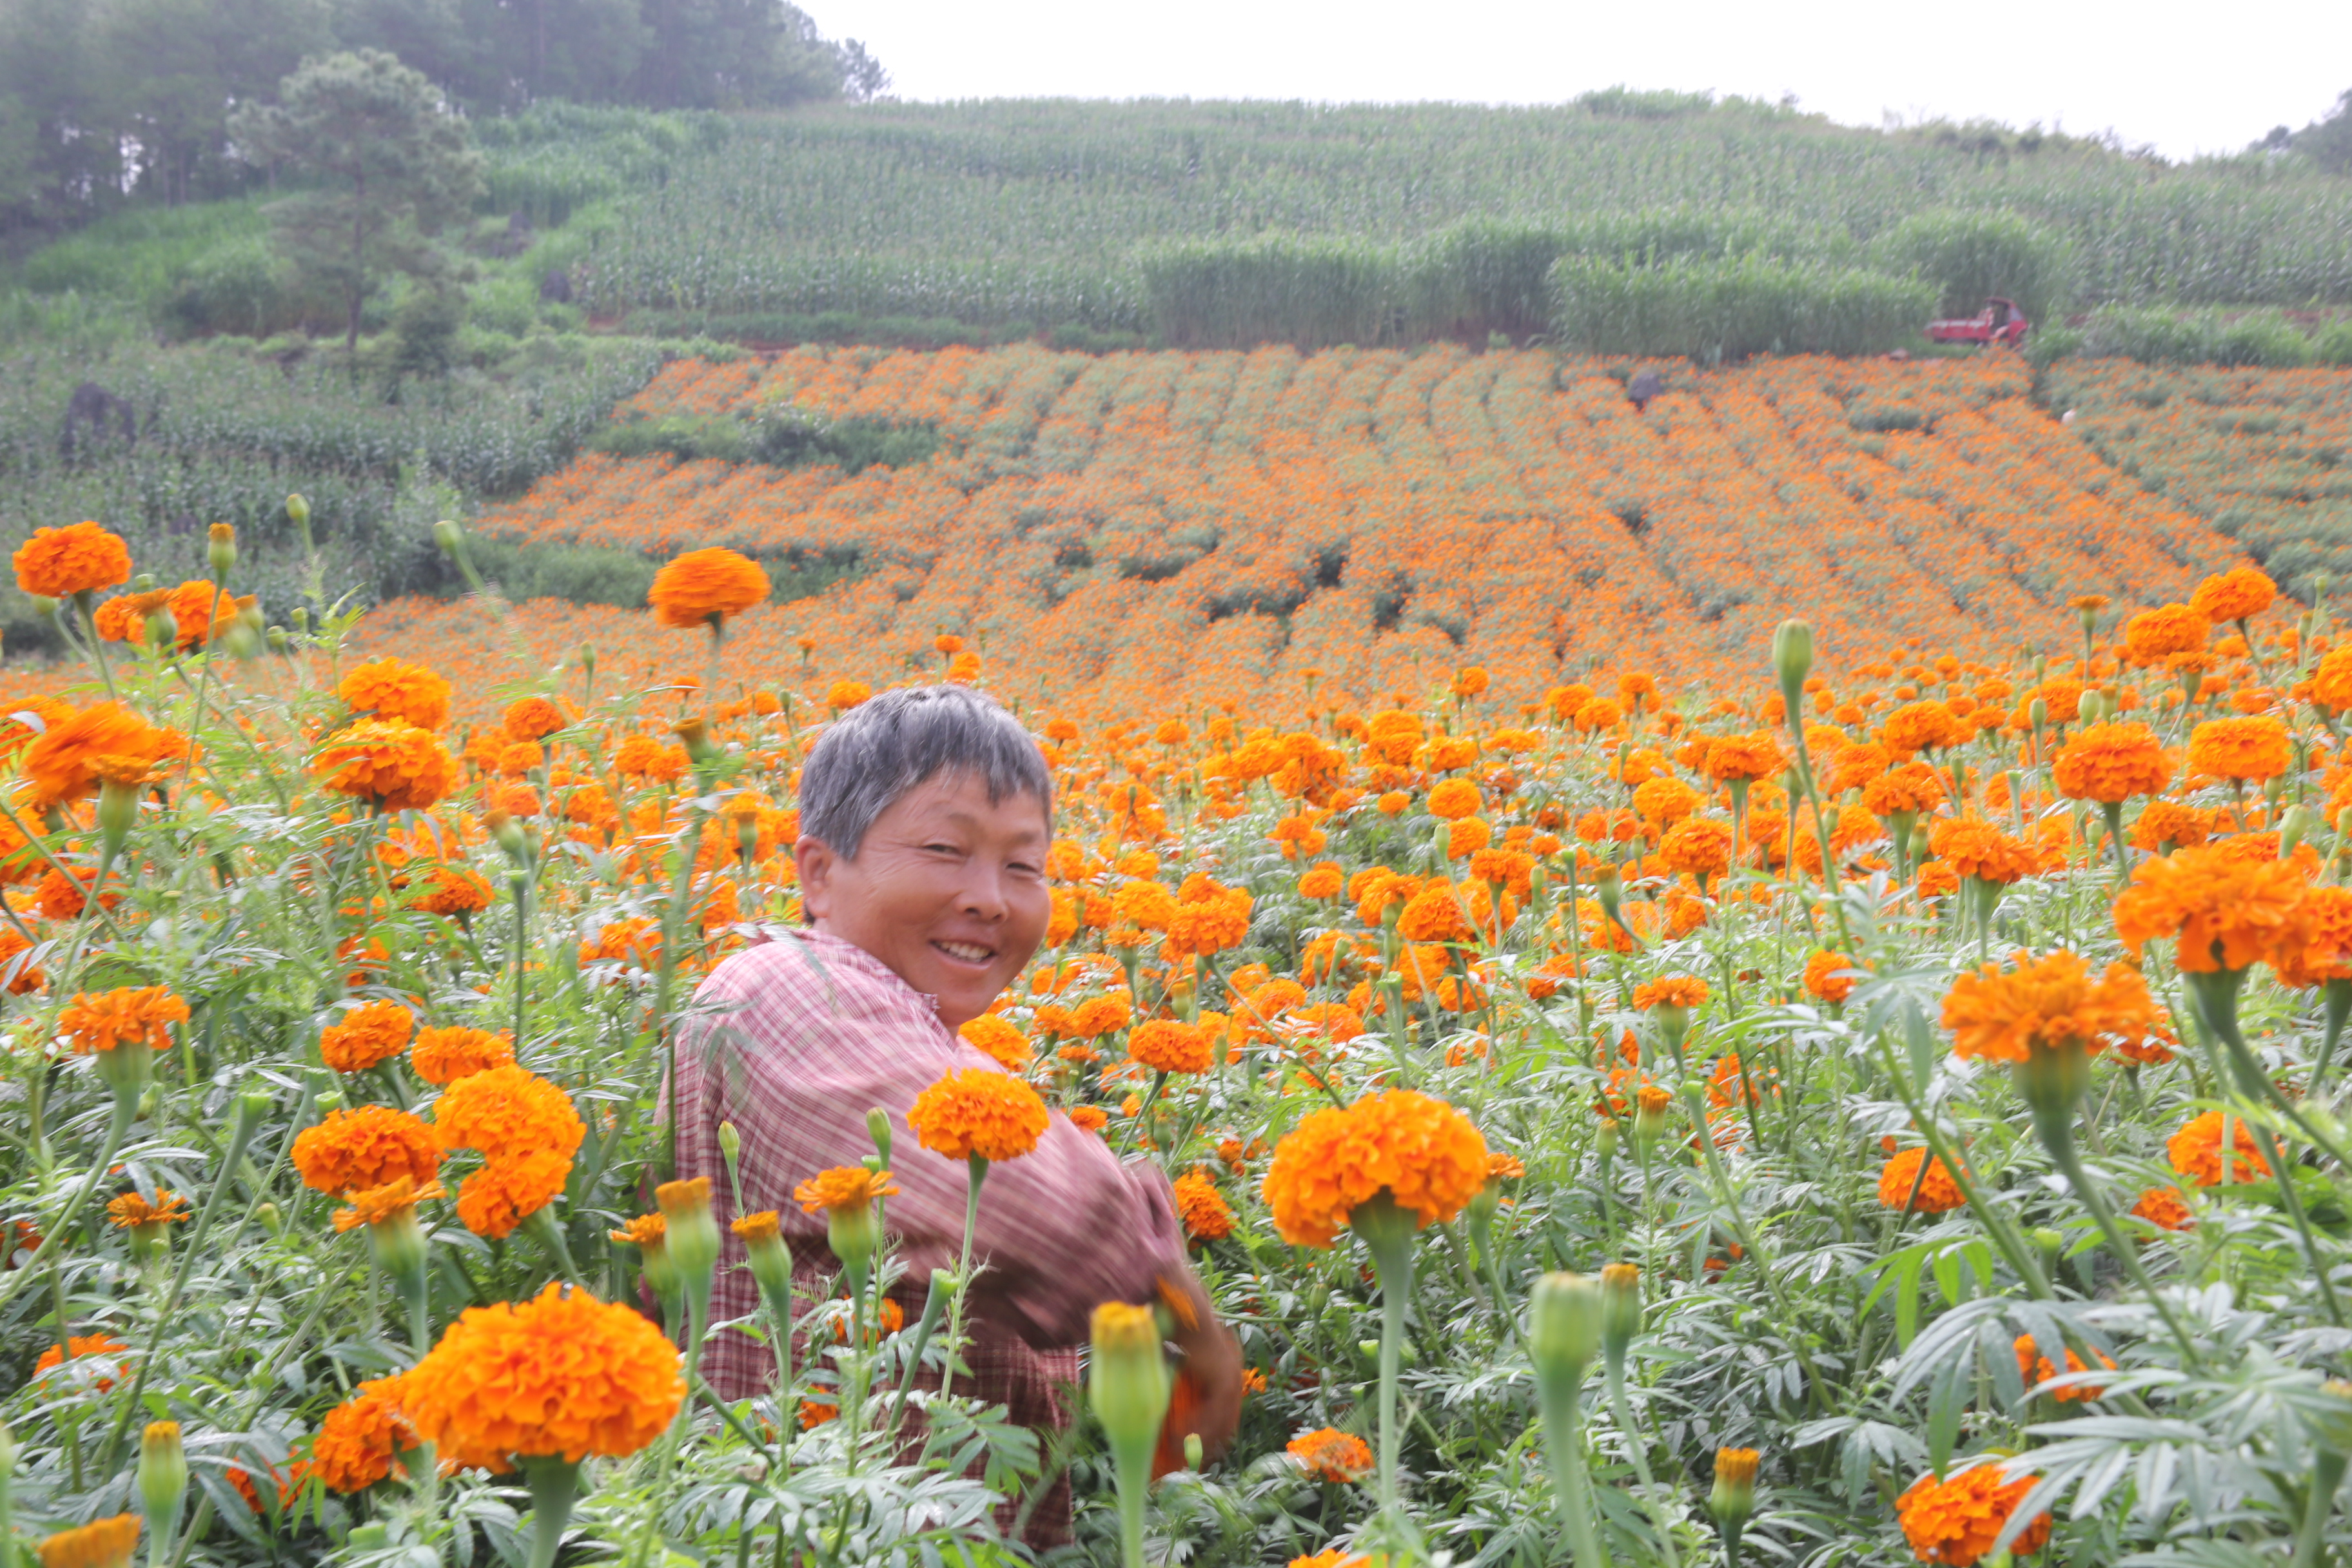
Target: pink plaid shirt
x,y
797,1038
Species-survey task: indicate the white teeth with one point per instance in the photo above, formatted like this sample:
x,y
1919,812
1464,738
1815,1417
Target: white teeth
x,y
964,950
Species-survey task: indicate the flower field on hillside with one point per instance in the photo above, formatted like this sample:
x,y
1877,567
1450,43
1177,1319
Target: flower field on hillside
x,y
1138,531
1592,1164
2262,454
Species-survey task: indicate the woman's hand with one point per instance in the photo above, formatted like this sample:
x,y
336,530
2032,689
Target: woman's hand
x,y
1207,1401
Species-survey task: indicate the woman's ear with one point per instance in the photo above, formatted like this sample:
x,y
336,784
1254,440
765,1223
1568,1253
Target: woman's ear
x,y
815,863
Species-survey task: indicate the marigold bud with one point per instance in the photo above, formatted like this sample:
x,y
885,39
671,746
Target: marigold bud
x,y
692,1234
298,508
1733,1500
878,1127
1792,660
220,551
1621,1313
1128,1383
1564,1327
162,1477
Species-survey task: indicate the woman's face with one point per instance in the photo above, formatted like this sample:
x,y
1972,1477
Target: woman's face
x,y
948,889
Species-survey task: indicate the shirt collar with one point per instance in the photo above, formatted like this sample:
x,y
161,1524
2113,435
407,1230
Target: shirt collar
x,y
834,950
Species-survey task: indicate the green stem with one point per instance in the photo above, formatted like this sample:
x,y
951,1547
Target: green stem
x,y
1571,1486
963,1273
240,1134
1634,1445
552,1484
2061,1143
2327,1475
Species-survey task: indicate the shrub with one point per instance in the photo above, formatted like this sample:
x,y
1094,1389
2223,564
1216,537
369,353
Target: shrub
x,y
1714,310
1310,290
1970,256
2202,337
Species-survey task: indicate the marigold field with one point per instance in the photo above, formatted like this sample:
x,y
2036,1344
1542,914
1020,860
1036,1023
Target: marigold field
x,y
1756,980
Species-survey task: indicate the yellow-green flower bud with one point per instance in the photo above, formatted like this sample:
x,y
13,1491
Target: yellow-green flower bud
x,y
1621,1313
1564,1323
1733,1499
269,1219
1127,1382
220,549
298,508
878,1127
1792,660
692,1234
162,1477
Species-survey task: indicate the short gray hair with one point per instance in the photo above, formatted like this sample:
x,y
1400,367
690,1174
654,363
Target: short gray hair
x,y
903,739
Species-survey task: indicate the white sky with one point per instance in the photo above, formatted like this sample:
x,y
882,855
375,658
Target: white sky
x,y
2188,79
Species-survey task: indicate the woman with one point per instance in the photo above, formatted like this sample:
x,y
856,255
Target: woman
x,y
926,815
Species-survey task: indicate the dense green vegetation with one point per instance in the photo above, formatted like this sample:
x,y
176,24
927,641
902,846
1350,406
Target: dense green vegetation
x,y
1099,216
108,105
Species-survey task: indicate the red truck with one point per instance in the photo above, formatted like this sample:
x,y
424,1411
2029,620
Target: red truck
x,y
2000,321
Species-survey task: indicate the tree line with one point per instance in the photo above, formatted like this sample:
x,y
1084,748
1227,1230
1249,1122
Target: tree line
x,y
108,102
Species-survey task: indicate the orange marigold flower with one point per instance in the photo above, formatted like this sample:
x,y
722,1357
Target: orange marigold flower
x,y
2195,1150
2228,912
2163,1206
130,1015
1324,881
1089,1118
396,689
82,558
842,1187
975,1112
62,765
2035,1367
395,765
2237,596
1334,1558
531,719
1099,1015
2331,683
1730,758
1451,800
1206,1214
2043,1005
1972,846
355,1151
451,890
509,1189
18,974
999,1040
1332,1454
1424,1153
1165,1045
1913,787
2326,952
561,1374
507,1112
104,1543
1824,979
1699,846
706,586
441,1057
105,1346
1956,1522
1920,727
2253,747
1937,1191
2111,764
2167,822
202,610
131,1212
384,1205
1671,991
369,1034
2157,635
359,1438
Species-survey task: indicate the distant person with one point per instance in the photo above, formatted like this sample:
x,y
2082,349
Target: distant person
x,y
1644,386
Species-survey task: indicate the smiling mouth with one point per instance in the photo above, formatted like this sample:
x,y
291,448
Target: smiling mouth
x,y
965,952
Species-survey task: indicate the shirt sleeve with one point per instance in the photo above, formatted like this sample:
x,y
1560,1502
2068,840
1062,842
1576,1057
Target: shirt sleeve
x,y
796,1051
